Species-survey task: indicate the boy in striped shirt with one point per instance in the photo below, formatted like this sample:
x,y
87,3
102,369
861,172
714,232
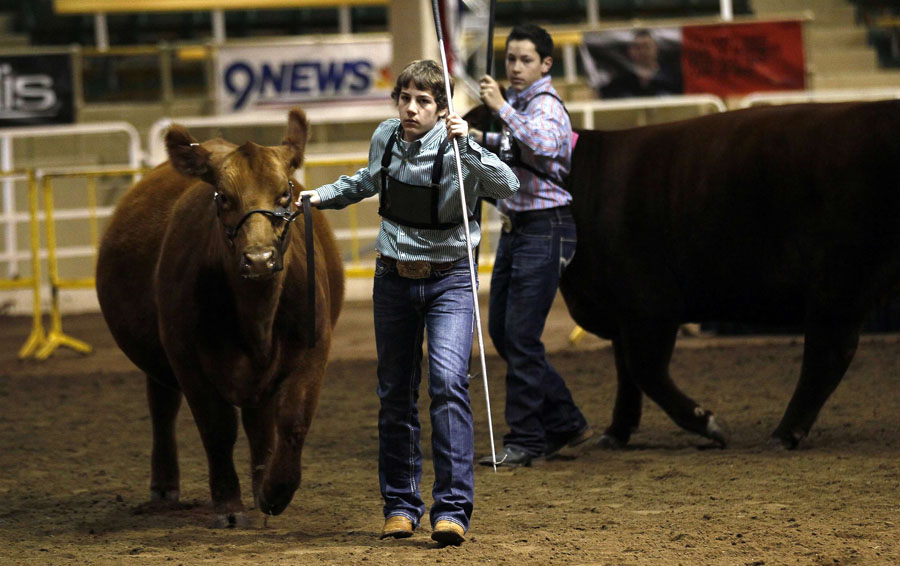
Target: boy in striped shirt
x,y
422,285
537,243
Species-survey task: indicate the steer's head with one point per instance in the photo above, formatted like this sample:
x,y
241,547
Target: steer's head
x,y
252,191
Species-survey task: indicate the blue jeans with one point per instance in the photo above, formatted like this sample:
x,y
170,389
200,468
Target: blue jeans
x,y
530,259
405,309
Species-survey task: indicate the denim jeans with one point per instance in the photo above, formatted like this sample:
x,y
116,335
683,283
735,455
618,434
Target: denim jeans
x,y
530,259
405,309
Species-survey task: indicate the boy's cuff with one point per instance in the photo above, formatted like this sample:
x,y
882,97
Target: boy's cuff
x,y
326,193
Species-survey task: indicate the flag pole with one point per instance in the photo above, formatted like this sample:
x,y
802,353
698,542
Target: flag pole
x,y
465,216
489,68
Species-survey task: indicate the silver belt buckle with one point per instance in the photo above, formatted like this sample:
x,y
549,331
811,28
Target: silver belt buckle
x,y
505,223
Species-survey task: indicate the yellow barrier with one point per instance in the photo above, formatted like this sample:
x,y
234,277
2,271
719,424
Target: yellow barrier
x,y
56,337
351,165
576,335
41,345
37,338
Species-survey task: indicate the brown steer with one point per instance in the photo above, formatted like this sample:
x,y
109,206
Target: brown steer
x,y
210,300
779,215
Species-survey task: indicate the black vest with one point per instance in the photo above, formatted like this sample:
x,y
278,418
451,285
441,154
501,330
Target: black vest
x,y
414,206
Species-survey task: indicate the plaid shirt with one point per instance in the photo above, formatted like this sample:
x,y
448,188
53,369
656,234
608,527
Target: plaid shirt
x,y
544,134
484,175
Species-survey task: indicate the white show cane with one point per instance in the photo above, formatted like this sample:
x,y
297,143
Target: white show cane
x,y
465,216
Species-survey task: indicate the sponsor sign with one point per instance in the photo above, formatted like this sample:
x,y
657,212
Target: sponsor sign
x,y
721,59
255,77
36,89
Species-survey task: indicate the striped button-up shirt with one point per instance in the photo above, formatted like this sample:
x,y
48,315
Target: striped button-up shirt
x,y
484,175
544,134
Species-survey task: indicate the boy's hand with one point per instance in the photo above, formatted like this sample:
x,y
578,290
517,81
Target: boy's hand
x,y
490,93
456,126
314,198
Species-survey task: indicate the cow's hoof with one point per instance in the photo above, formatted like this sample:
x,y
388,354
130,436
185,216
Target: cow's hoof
x,y
276,502
165,495
714,431
786,440
610,442
231,521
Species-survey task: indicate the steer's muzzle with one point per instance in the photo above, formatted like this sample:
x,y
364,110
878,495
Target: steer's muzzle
x,y
259,262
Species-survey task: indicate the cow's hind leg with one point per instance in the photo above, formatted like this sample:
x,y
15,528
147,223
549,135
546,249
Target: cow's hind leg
x,y
827,352
647,349
164,401
627,410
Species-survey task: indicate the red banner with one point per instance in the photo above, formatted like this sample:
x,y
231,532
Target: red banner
x,y
735,59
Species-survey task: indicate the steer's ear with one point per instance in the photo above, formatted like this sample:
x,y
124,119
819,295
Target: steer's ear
x,y
187,156
294,141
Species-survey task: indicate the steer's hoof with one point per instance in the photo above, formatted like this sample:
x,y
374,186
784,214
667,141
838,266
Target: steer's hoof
x,y
231,521
786,439
715,432
276,501
165,495
610,442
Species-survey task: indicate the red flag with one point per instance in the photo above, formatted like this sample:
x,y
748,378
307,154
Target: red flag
x,y
734,59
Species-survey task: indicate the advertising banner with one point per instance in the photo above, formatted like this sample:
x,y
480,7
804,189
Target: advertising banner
x,y
723,59
256,77
36,90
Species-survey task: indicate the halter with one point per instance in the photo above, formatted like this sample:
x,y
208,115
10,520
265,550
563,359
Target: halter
x,y
283,213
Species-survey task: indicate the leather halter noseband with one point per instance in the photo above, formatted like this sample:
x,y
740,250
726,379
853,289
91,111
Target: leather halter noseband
x,y
285,214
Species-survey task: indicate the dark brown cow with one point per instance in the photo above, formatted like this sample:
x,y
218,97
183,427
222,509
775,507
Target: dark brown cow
x,y
216,308
785,215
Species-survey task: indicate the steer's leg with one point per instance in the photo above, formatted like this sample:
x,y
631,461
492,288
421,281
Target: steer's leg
x,y
164,402
627,410
259,424
647,349
217,422
295,405
827,352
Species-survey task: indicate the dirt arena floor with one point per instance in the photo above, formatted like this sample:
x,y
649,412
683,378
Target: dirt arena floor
x,y
75,443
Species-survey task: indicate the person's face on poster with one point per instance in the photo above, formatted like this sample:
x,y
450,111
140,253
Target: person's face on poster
x,y
643,52
631,63
524,65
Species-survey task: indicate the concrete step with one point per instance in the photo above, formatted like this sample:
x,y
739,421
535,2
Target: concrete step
x,y
842,35
7,21
9,38
575,91
824,11
13,39
841,59
796,5
858,80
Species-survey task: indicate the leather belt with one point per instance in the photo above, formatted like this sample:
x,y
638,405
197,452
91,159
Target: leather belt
x,y
513,219
419,269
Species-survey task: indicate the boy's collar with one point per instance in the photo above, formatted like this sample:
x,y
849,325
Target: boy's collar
x,y
432,134
536,85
